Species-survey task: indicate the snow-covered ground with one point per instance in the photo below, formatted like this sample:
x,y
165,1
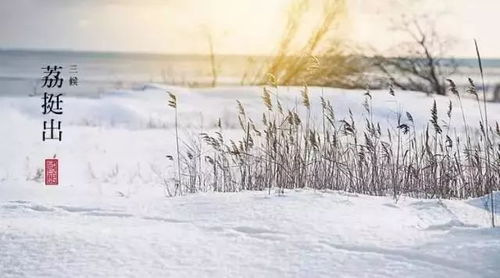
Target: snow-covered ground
x,y
248,234
109,216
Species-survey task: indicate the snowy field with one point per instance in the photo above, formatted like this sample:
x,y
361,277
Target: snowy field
x,y
303,234
109,216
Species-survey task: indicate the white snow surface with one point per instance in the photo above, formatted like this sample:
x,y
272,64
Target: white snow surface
x,y
109,216
248,234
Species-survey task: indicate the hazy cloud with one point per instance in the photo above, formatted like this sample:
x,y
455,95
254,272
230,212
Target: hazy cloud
x,y
238,25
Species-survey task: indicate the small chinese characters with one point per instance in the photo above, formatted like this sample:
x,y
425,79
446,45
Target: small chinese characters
x,y
51,172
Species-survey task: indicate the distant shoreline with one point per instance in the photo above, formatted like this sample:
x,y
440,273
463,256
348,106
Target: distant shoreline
x,y
461,61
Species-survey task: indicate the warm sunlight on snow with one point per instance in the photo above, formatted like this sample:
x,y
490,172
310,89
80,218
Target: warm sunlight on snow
x,y
249,138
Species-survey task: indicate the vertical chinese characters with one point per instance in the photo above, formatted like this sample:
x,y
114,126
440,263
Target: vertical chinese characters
x,y
52,83
73,79
52,106
52,102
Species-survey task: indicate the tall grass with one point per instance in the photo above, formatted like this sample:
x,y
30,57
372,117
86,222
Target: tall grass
x,y
487,141
286,149
173,104
321,58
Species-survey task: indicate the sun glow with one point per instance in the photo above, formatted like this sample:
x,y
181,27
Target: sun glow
x,y
239,27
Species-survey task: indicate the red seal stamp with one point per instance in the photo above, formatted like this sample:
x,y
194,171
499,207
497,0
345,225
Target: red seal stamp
x,y
51,172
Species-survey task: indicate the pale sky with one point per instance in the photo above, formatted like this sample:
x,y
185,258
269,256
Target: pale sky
x,y
238,26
